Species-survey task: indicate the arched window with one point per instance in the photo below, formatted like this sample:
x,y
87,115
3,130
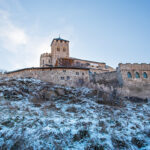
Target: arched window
x,y
145,75
129,75
137,75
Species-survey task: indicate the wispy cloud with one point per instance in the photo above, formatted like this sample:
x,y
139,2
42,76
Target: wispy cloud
x,y
21,46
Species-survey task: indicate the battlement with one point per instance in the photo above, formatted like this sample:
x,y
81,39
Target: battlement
x,y
134,66
46,55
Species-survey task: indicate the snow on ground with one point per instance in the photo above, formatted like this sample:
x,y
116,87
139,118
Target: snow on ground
x,y
69,119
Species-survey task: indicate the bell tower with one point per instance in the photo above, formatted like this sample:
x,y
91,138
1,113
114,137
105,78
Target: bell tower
x,y
59,49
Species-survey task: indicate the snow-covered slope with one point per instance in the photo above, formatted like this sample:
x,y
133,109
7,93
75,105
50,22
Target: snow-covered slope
x,y
41,116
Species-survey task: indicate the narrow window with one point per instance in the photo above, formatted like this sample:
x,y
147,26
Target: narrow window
x,y
62,78
145,75
83,74
137,75
58,49
68,78
64,70
43,61
129,75
64,49
49,61
77,73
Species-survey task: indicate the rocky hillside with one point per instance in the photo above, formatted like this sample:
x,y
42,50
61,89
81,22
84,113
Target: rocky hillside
x,y
35,115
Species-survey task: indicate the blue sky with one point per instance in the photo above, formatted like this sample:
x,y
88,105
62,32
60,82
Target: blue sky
x,y
111,31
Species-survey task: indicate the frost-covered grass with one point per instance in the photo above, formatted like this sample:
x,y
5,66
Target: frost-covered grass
x,y
69,120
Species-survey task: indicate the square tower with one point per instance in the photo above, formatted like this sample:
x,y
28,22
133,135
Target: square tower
x,y
59,49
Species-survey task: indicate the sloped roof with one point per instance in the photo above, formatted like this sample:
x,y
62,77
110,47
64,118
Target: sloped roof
x,y
60,39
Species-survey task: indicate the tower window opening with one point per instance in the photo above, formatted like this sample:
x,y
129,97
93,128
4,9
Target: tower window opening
x,y
137,75
145,75
62,78
58,49
64,49
129,75
77,73
68,78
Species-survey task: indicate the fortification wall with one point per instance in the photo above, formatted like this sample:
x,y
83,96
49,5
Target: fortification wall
x,y
135,79
108,79
63,76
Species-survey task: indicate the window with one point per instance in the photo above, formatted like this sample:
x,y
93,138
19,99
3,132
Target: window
x,y
68,78
129,75
83,74
49,61
64,70
145,75
62,78
43,61
77,73
58,49
137,75
64,49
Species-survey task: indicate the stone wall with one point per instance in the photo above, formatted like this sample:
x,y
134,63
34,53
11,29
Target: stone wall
x,y
135,79
105,79
63,76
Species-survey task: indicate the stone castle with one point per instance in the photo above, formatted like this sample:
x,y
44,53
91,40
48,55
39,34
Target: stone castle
x,y
59,68
59,57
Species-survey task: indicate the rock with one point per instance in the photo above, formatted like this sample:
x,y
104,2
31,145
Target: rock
x,y
81,135
60,92
138,142
118,143
137,99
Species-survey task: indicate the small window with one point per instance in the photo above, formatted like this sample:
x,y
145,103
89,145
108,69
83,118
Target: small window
x,y
58,49
64,70
77,73
64,49
49,61
129,75
83,74
68,78
62,78
43,61
145,75
137,75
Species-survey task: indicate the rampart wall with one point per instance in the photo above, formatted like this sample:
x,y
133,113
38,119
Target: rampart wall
x,y
135,79
63,76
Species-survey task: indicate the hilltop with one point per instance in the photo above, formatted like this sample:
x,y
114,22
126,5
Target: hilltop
x,y
41,115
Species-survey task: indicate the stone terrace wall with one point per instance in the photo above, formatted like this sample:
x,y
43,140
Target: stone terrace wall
x,y
64,76
135,86
106,81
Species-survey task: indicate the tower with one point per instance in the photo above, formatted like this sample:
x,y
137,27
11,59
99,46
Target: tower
x,y
59,49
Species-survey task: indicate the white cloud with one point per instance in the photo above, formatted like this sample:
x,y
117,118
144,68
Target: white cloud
x,y
24,46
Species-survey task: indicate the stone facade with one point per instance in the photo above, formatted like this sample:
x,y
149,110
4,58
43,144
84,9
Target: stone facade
x,y
59,49
134,79
58,75
134,73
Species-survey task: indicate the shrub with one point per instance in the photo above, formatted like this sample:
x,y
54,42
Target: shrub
x,y
81,135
